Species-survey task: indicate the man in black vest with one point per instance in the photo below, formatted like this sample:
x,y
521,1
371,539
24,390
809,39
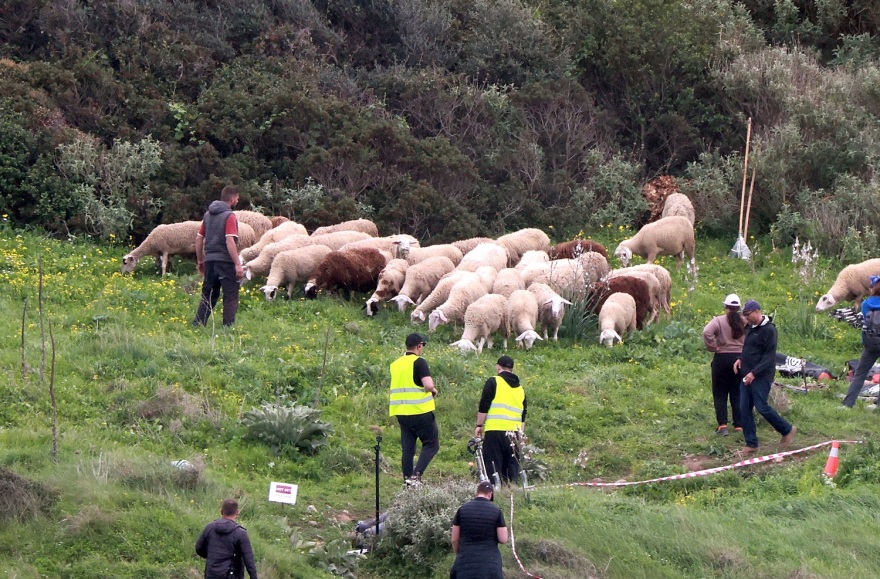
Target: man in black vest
x,y
477,529
225,546
217,257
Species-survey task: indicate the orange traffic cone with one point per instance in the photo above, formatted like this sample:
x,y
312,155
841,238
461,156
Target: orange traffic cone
x,y
833,460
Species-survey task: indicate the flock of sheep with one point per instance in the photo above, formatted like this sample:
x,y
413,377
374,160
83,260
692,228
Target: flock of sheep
x,y
515,285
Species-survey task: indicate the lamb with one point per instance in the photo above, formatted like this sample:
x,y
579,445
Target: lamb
x,y
667,236
522,317
634,286
662,275
655,289
532,257
491,254
508,281
419,254
362,225
852,284
551,308
576,248
678,204
466,245
486,315
163,242
273,235
354,269
519,242
391,279
420,280
466,291
258,221
397,245
293,266
617,317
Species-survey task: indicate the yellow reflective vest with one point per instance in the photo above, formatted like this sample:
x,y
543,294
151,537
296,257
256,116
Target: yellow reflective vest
x,y
507,407
407,397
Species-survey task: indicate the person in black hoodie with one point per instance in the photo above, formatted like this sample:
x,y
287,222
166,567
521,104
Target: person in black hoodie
x,y
501,416
757,366
217,258
225,546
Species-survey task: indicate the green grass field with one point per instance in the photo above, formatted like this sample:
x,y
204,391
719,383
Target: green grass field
x,y
137,387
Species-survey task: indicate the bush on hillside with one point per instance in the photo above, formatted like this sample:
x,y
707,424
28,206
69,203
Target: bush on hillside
x,y
22,498
287,428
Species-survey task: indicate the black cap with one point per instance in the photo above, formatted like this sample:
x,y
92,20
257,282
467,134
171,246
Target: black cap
x,y
505,362
485,487
414,340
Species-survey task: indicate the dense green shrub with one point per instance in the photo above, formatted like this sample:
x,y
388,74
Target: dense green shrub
x,y
287,428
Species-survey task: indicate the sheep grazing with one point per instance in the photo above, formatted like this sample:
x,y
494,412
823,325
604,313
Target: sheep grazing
x,y
617,317
570,277
437,296
420,280
662,275
163,242
576,248
667,236
491,254
347,270
852,284
293,266
522,317
532,257
519,242
633,286
274,235
419,254
362,225
678,204
465,292
258,221
246,236
508,281
261,263
398,245
391,279
486,315
551,308
466,245
655,289
278,220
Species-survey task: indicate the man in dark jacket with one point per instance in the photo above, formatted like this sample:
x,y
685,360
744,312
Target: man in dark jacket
x,y
217,258
477,529
501,418
226,547
757,366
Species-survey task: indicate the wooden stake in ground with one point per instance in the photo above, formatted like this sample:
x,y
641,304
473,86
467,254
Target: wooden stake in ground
x,y
749,206
742,200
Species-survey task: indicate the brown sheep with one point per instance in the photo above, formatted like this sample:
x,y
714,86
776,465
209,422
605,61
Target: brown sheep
x,y
635,287
572,249
355,269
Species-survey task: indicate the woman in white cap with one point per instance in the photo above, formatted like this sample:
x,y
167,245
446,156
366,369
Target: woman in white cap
x,y
724,336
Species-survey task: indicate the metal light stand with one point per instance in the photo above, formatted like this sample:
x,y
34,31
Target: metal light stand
x,y
377,447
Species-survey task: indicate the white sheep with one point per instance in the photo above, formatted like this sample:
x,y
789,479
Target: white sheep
x,y
293,266
466,245
551,308
362,225
420,281
491,254
667,236
274,235
262,262
665,279
397,245
163,242
437,296
419,254
522,317
483,317
655,289
519,242
532,257
852,284
508,281
260,223
569,277
391,279
466,291
678,204
617,317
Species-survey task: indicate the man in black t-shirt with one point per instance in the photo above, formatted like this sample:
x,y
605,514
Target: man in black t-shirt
x,y
477,529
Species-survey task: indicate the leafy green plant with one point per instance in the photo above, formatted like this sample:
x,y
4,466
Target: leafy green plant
x,y
287,427
336,558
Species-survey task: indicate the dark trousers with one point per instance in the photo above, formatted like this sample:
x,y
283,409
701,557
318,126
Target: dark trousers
x,y
500,456
869,356
757,395
421,427
218,275
725,386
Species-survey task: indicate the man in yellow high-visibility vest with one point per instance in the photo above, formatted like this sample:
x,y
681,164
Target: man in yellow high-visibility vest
x,y
412,402
501,415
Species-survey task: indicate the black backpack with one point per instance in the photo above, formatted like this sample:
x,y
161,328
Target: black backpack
x,y
871,328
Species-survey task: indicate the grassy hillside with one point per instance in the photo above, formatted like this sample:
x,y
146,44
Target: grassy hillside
x,y
137,388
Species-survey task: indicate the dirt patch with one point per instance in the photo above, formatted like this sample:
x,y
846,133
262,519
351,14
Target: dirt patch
x,y
697,462
21,498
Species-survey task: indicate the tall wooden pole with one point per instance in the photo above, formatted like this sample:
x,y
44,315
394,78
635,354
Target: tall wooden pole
x,y
749,206
742,200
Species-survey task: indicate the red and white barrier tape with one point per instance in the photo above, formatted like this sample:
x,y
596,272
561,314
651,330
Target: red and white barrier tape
x,y
513,544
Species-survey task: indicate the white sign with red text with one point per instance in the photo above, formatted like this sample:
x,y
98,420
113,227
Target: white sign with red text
x,y
280,492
